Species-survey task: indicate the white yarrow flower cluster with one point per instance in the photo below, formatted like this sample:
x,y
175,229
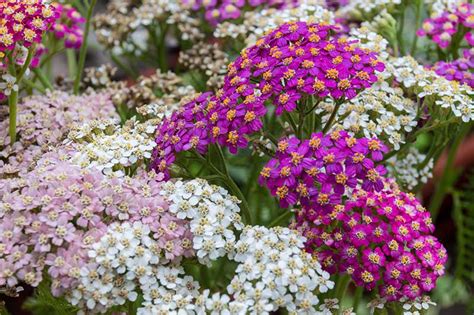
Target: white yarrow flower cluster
x,y
418,306
370,40
258,23
213,215
122,258
111,148
124,26
447,95
411,169
171,292
276,273
438,7
380,111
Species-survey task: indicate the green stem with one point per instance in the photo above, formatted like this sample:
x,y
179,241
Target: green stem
x,y
357,298
283,218
233,187
13,98
33,86
12,104
341,287
332,118
400,30
291,121
418,9
71,63
445,184
43,79
83,52
162,53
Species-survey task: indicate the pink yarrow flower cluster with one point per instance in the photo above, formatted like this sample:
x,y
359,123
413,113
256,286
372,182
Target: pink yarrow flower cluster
x,y
441,29
216,11
23,22
317,173
69,27
383,240
295,61
458,70
49,223
44,121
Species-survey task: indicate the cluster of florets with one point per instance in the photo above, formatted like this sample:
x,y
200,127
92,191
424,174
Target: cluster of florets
x,y
380,111
318,172
23,22
296,60
276,273
69,26
220,10
209,59
458,70
441,29
256,24
444,98
154,97
411,169
273,273
381,239
123,26
110,148
44,121
128,259
50,220
213,215
439,7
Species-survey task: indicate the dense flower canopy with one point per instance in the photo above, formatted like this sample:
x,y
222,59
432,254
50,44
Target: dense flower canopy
x,y
295,62
238,157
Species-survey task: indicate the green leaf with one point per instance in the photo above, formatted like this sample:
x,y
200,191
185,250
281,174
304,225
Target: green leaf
x,y
463,216
44,303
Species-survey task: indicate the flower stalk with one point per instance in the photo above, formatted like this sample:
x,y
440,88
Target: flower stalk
x,y
83,51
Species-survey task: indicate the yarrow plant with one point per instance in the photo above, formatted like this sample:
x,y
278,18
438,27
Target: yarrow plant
x,y
234,157
290,65
382,240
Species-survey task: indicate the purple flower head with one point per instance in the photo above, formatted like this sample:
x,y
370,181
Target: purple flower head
x,y
69,26
25,22
458,70
319,171
442,28
382,239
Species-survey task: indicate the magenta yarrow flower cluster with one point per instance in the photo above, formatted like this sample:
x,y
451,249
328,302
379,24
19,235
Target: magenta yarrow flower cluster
x,y
317,173
295,61
216,11
23,22
48,224
69,27
458,70
441,29
383,240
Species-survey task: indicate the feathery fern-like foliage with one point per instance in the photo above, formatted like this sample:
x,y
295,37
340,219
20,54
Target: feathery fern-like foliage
x,y
463,215
44,303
